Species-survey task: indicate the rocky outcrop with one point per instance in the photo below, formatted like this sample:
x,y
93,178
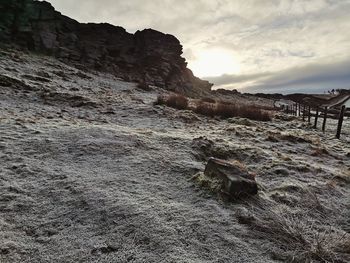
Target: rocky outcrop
x,y
148,56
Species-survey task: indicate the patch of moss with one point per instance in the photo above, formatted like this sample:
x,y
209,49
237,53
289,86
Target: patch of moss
x,y
212,184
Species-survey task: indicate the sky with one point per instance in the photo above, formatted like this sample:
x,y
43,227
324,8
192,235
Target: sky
x,y
270,46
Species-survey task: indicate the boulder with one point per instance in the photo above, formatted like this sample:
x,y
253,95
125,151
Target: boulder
x,y
236,180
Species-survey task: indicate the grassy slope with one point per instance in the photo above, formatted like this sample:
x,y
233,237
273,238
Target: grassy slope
x,y
109,179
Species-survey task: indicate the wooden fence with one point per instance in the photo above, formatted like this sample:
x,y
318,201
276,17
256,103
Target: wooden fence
x,y
307,112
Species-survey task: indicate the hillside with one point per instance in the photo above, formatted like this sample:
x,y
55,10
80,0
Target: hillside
x,y
92,171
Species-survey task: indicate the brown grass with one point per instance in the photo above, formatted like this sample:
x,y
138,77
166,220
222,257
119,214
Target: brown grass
x,y
227,110
176,101
209,100
144,86
291,237
319,152
207,109
211,107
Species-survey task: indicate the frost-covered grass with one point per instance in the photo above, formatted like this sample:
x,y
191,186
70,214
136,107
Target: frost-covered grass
x,y
109,180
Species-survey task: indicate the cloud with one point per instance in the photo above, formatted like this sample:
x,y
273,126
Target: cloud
x,y
266,36
312,78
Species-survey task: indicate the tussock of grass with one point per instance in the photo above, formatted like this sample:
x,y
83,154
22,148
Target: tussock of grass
x,y
211,107
285,136
227,110
292,236
319,152
299,240
176,101
144,86
208,100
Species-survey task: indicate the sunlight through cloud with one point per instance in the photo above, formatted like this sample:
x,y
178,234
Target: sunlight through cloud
x,y
214,62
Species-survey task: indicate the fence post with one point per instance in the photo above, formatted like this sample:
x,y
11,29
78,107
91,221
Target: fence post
x,y
340,122
324,118
316,118
309,115
304,109
299,109
287,109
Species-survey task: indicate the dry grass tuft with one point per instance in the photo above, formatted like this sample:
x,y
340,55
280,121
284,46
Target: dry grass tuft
x,y
208,100
211,107
176,101
319,152
207,109
296,237
144,86
227,110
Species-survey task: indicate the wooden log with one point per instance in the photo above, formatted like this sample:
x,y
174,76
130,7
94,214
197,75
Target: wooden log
x,y
316,117
340,121
324,118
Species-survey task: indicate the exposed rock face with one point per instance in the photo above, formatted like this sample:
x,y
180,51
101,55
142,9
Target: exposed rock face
x,y
236,180
147,56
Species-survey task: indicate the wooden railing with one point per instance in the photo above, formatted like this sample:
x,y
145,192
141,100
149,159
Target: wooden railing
x,y
307,112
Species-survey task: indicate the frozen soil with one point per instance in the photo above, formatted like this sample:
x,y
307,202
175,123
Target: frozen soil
x,y
91,171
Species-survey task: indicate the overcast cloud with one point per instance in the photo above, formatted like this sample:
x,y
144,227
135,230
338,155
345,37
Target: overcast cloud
x,y
280,45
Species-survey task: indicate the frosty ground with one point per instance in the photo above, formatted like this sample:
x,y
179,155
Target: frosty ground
x,y
92,171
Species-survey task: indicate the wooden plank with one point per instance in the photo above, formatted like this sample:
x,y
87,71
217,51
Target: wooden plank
x,y
340,122
324,119
316,117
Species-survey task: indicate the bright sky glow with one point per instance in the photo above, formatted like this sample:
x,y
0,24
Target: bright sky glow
x,y
214,63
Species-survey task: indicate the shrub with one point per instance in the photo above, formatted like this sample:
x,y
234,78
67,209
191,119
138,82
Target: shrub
x,y
176,101
227,110
208,100
207,109
161,99
254,114
144,86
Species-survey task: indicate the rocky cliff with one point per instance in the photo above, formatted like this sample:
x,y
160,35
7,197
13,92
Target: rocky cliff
x,y
147,56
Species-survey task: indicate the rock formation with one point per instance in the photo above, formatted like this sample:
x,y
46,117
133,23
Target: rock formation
x,y
148,56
